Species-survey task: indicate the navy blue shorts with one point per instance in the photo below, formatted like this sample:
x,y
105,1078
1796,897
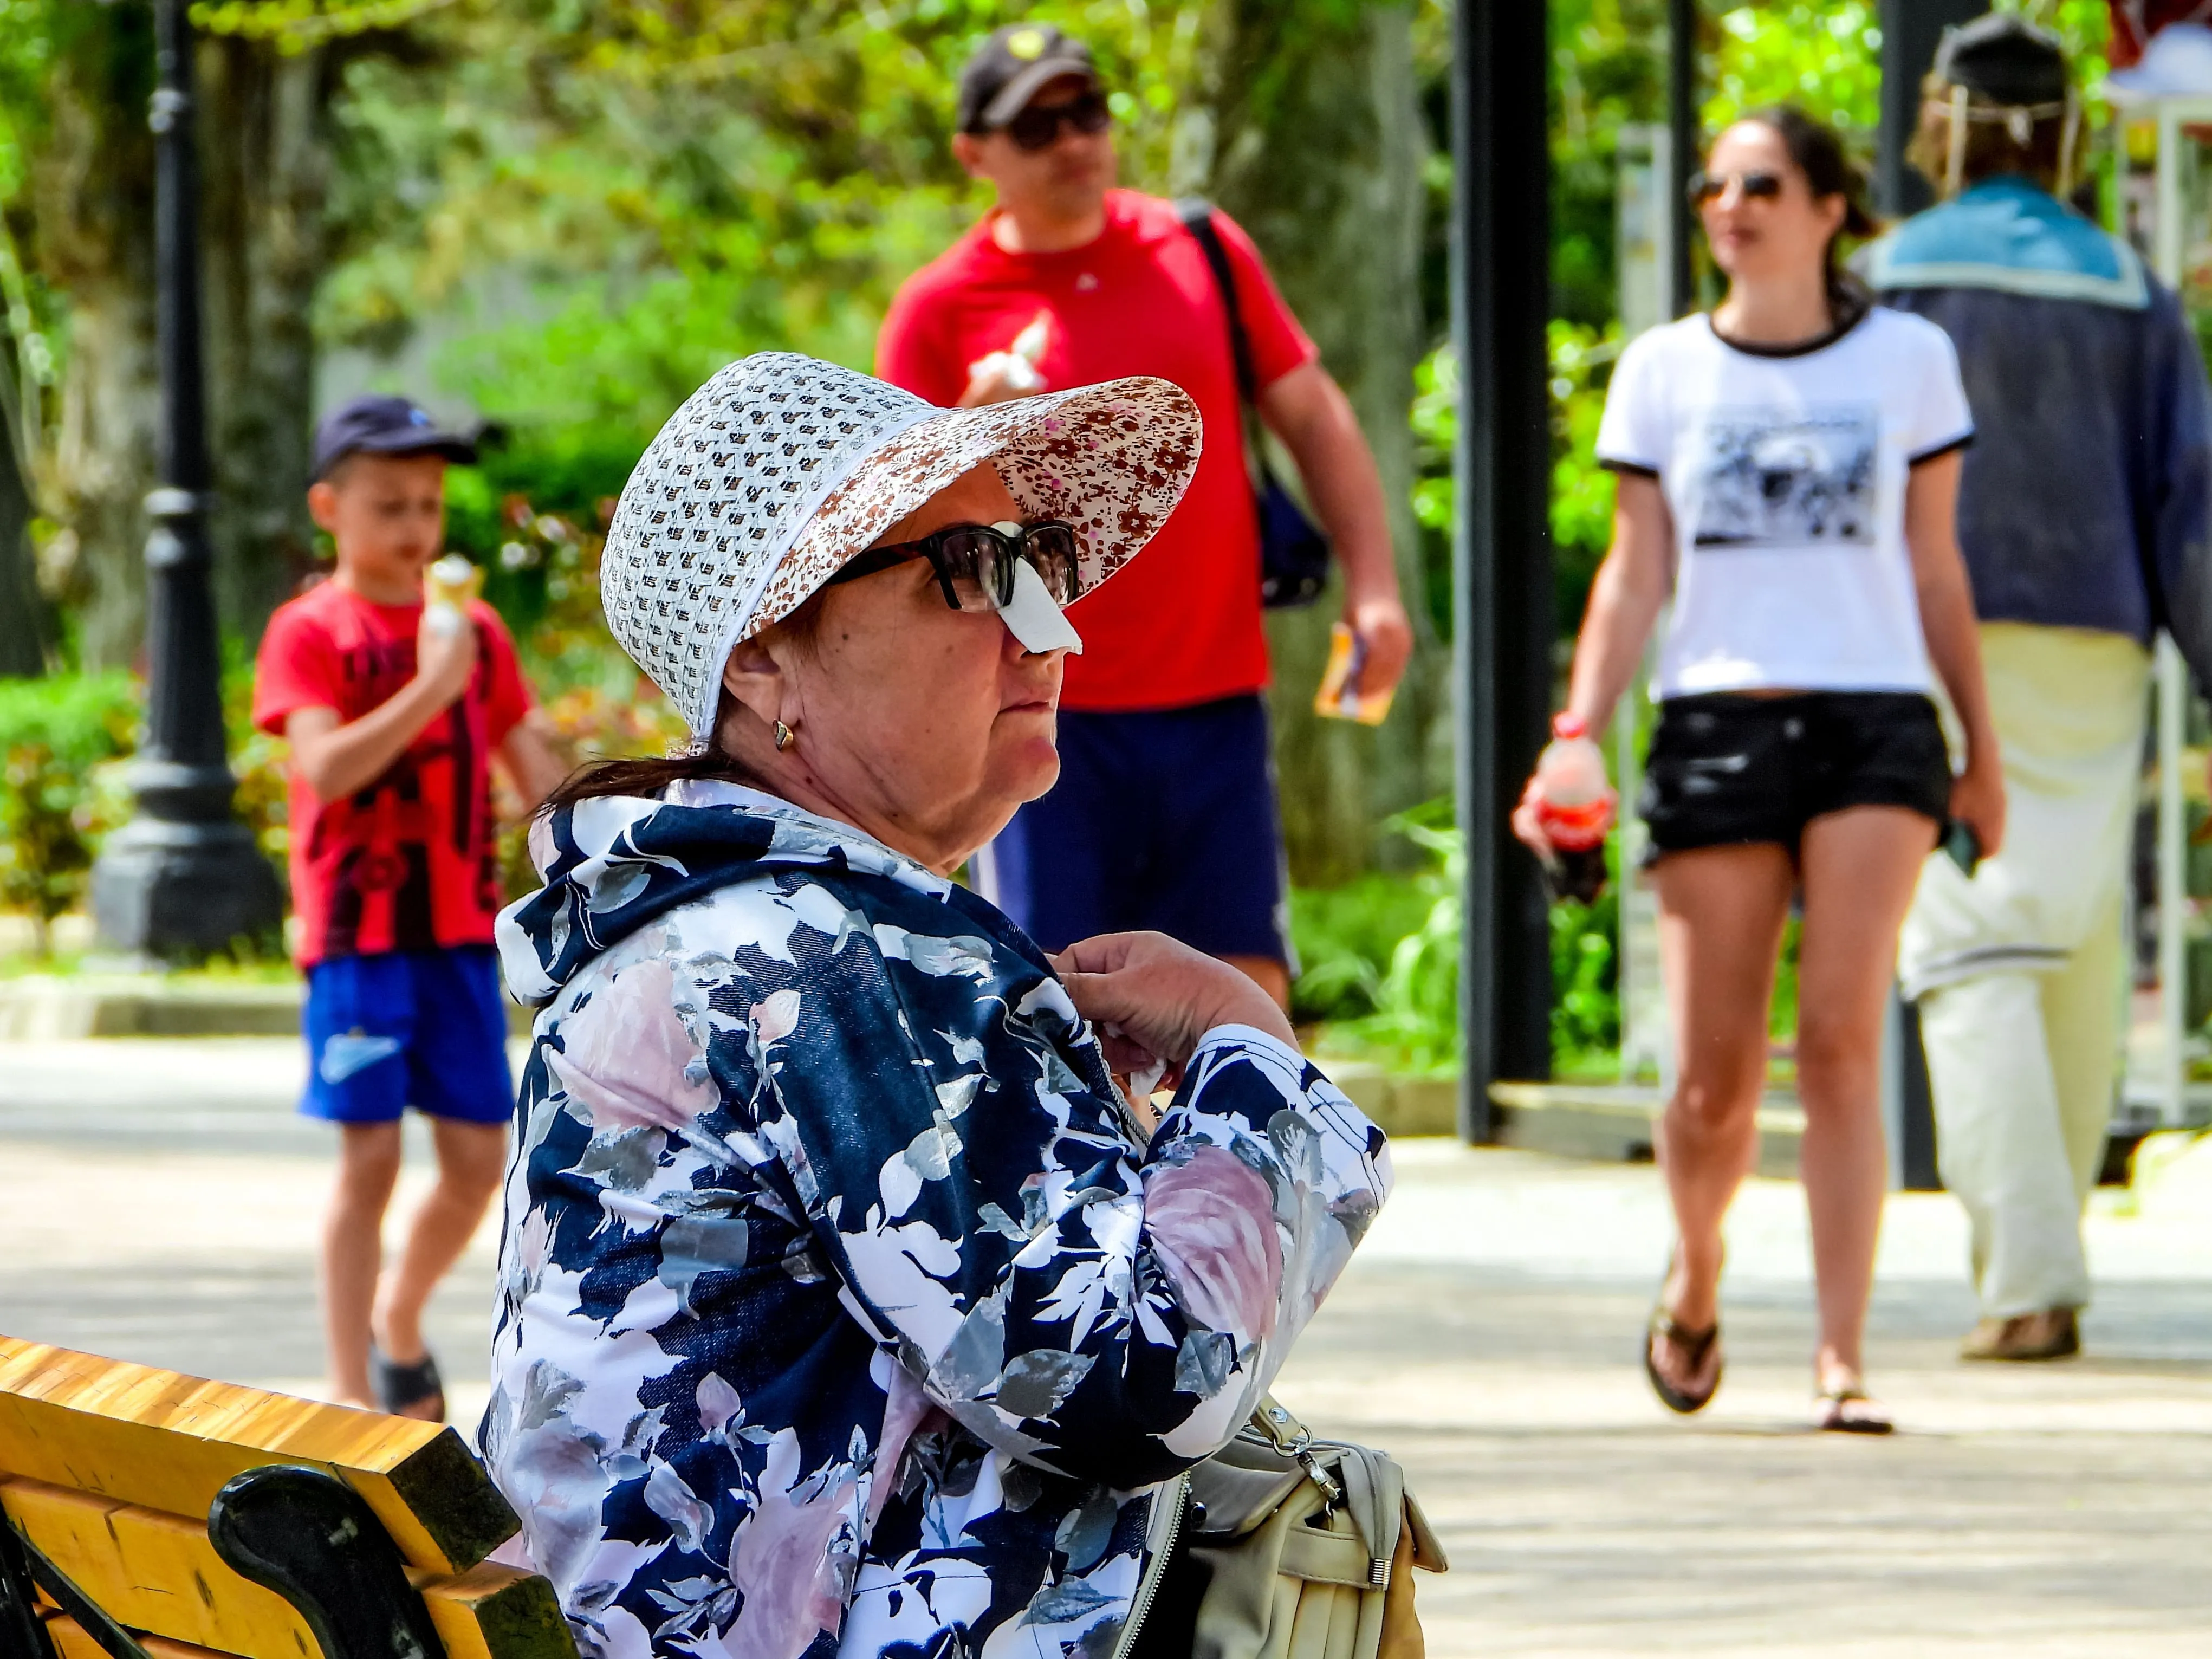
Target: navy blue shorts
x,y
426,1029
1163,819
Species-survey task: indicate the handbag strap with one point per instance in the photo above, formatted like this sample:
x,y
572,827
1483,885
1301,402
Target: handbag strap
x,y
1197,216
1273,1423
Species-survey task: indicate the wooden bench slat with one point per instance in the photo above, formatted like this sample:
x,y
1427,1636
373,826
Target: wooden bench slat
x,y
166,1441
72,1643
156,1572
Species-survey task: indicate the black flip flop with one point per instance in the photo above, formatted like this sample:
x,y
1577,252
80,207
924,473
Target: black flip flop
x,y
1694,1346
398,1387
1835,1415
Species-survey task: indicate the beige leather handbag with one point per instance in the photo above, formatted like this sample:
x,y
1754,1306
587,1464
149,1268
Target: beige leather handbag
x,y
1309,1545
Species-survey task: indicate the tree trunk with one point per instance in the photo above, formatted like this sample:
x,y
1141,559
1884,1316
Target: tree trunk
x,y
264,165
22,611
93,190
264,168
1316,150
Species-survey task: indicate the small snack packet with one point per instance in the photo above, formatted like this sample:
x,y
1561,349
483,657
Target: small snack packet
x,y
1339,698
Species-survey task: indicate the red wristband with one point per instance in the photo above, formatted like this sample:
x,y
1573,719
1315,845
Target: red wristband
x,y
1568,726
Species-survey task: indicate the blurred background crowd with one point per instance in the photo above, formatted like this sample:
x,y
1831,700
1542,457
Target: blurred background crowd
x,y
557,219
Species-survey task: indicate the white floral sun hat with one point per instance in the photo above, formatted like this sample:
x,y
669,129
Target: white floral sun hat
x,y
780,469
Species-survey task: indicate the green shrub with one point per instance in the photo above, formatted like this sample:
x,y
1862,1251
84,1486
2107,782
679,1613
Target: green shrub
x,y
56,735
1412,991
1381,956
538,494
1345,937
261,763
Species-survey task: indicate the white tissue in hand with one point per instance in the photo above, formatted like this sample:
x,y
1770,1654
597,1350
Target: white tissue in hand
x,y
1032,617
1144,1080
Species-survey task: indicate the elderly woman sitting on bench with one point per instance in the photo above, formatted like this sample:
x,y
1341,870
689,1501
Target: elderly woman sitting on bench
x,y
854,1298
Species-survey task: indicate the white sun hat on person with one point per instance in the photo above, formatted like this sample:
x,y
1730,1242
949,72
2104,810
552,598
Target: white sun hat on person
x,y
781,468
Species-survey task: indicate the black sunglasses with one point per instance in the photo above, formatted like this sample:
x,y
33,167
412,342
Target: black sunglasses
x,y
1038,126
1756,186
976,562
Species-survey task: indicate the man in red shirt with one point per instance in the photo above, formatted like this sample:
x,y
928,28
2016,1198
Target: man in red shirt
x,y
395,711
1164,816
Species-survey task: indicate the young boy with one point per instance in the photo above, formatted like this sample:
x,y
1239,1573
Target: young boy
x,y
394,714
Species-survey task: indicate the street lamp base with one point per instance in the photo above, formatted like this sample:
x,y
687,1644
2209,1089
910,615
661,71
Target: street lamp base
x,y
180,891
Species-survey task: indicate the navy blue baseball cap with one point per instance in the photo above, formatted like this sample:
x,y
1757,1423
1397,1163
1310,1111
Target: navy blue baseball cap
x,y
384,426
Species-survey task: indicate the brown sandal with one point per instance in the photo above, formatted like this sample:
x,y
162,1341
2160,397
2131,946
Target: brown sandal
x,y
1695,1347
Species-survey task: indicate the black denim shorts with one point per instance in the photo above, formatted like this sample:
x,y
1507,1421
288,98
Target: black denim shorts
x,y
1727,768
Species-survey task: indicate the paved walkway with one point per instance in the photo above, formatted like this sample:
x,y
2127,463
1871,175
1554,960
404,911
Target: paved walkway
x,y
158,1202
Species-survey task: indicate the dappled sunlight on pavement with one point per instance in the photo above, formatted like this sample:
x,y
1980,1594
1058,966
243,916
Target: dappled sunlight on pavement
x,y
1488,1334
159,1203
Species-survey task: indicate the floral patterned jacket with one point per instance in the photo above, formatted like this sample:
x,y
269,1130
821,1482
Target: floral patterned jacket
x,y
840,1313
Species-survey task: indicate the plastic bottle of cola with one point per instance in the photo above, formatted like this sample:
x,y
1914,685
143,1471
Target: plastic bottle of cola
x,y
1574,807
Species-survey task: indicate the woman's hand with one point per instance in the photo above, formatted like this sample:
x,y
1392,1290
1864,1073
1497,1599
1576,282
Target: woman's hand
x,y
1529,824
1977,798
1152,998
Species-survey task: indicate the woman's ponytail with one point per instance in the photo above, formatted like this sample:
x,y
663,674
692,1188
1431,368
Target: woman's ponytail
x,y
1818,153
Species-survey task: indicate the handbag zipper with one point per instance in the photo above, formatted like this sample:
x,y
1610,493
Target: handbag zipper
x,y
1156,1569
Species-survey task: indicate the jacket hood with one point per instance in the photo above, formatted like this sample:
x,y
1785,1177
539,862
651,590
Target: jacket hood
x,y
613,864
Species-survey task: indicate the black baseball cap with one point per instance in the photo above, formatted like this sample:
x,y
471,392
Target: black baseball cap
x,y
2005,59
384,426
1008,67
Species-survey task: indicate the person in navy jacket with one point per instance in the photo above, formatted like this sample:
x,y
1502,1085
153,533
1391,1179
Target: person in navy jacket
x,y
2082,514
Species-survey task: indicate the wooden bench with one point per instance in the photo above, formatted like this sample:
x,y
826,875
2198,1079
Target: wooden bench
x,y
154,1516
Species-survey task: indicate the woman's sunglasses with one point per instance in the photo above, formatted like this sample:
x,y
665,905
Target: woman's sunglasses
x,y
1038,126
1756,186
976,562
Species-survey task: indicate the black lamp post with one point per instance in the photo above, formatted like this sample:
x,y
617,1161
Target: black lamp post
x,y
1502,555
182,878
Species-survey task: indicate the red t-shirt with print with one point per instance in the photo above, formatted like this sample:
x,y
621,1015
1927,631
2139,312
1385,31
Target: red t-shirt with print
x,y
1180,624
411,862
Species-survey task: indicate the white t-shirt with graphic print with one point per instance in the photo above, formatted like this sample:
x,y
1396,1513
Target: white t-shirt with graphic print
x,y
1785,472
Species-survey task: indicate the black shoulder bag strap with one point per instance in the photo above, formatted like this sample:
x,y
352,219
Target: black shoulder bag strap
x,y
1293,553
1197,216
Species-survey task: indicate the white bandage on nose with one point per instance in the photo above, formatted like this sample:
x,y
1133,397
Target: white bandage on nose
x,y
1032,617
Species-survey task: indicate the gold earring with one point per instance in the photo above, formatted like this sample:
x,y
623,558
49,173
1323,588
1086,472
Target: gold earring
x,y
786,739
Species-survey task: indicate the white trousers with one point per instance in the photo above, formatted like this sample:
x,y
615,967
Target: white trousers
x,y
2018,971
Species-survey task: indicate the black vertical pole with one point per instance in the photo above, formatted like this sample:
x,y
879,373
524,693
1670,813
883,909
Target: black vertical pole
x,y
182,878
1682,141
1910,32
1502,566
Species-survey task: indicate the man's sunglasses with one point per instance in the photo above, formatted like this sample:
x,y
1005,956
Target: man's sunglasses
x,y
1756,186
976,562
1038,126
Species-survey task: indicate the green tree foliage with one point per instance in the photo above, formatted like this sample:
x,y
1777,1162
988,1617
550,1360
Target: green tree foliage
x,y
618,198
27,309
1608,68
1823,56
54,736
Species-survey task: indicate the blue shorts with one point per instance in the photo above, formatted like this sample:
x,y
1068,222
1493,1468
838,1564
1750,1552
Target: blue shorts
x,y
426,1029
1163,819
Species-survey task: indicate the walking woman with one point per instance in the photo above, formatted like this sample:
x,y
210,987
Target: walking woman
x,y
1788,467
848,1308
